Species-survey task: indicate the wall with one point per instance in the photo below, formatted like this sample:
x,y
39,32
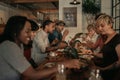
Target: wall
x,y
72,30
6,11
106,6
53,16
104,9
81,20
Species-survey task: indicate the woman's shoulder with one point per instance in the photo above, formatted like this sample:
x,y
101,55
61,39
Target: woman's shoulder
x,y
8,44
116,39
117,36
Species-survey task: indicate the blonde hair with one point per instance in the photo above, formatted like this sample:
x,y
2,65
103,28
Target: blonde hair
x,y
106,18
91,26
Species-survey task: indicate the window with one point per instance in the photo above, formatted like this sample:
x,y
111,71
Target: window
x,y
116,14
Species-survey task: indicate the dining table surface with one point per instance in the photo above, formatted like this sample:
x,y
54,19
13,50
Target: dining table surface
x,y
71,74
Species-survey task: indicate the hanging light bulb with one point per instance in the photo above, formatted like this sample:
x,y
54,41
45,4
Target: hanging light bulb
x,y
74,2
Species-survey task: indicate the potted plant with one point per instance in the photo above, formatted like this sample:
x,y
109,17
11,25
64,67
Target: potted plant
x,y
90,8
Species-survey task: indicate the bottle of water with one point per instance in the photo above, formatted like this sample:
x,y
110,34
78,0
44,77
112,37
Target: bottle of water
x,y
95,75
61,75
98,76
92,75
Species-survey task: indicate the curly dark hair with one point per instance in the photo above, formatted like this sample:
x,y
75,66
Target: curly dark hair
x,y
46,22
13,28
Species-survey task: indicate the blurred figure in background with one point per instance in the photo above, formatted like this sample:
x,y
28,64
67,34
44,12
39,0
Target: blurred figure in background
x,y
57,36
91,35
94,39
41,42
41,45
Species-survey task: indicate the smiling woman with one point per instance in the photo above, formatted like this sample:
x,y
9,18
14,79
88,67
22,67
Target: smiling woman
x,y
14,33
17,32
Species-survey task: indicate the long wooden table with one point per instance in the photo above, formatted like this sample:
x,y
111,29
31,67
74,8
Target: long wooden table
x,y
72,74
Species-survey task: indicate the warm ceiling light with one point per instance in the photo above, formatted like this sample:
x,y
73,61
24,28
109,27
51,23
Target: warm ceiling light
x,y
74,2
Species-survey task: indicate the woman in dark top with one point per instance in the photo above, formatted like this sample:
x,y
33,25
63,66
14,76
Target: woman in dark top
x,y
110,53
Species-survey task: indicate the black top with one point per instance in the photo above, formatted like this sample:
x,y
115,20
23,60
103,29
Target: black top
x,y
109,57
109,52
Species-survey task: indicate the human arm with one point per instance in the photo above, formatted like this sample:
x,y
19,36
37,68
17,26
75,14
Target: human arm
x,y
43,73
61,45
98,43
16,60
75,37
92,45
98,55
71,63
51,48
115,64
39,74
65,33
54,42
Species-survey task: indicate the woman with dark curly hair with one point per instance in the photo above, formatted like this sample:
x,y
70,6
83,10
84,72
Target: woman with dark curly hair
x,y
13,64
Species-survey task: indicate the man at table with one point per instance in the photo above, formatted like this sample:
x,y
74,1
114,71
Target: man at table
x,y
41,43
56,37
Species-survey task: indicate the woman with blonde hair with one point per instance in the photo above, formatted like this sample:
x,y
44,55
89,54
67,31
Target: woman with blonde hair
x,y
110,52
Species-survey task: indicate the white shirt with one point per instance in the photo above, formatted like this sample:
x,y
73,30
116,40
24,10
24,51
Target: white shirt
x,y
93,38
12,61
40,42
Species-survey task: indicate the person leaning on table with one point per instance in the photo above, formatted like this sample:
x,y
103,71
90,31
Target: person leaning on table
x,y
110,52
57,36
13,64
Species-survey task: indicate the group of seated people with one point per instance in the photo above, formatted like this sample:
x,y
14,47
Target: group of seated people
x,y
101,41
